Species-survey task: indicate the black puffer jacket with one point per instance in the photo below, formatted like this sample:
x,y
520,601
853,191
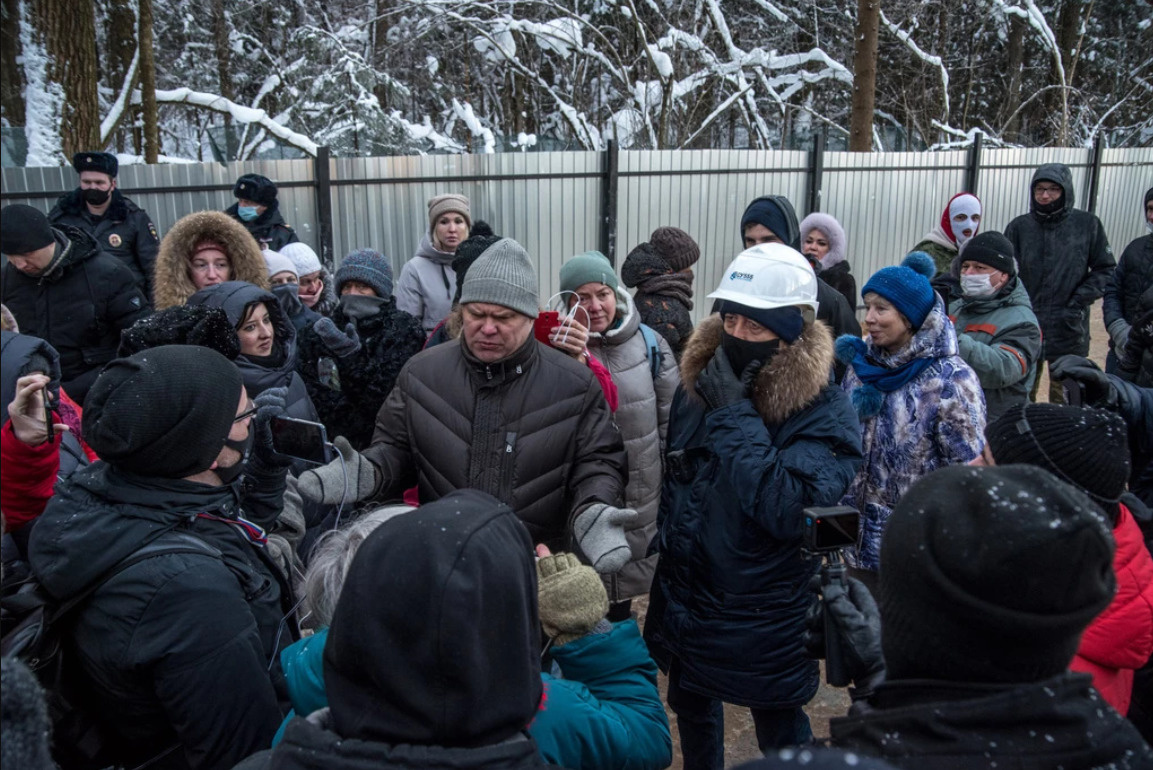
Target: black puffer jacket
x,y
176,648
268,229
533,430
349,391
79,307
1065,263
929,725
234,297
125,231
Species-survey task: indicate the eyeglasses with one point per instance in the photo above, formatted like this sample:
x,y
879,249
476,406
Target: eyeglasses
x,y
1047,189
250,411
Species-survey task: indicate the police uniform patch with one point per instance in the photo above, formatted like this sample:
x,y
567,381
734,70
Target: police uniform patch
x,y
152,229
115,240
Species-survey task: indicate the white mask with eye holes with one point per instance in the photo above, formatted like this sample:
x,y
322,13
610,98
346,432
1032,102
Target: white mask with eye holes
x,y
964,214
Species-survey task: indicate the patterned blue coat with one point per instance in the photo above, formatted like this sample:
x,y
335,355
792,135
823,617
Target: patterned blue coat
x,y
936,419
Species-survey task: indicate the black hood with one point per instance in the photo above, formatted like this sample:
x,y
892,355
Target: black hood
x,y
793,238
17,354
435,639
73,246
1058,173
234,297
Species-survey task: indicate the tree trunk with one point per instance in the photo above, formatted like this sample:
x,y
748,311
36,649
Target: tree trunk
x,y
121,36
1017,27
220,37
11,74
148,85
69,32
380,27
864,76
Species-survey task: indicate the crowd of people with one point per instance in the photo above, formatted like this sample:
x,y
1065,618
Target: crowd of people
x,y
452,579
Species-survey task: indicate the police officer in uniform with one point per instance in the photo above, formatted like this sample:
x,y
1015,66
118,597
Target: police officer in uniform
x,y
258,209
119,226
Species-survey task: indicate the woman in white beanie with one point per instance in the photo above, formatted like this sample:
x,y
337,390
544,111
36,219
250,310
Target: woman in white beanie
x,y
317,290
427,282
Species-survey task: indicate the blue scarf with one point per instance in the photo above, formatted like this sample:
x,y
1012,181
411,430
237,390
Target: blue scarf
x,y
877,380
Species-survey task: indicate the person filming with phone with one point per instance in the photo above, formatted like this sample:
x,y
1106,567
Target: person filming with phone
x,y
496,410
757,434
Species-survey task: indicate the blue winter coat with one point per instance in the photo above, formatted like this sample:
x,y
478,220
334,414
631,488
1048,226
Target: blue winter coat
x,y
605,714
730,593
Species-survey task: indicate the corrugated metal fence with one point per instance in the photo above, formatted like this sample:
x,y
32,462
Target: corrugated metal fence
x,y
559,204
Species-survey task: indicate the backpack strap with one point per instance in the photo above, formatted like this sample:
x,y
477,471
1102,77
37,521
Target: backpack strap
x,y
652,350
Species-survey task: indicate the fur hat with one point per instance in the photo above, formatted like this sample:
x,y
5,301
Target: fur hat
x,y
256,188
676,247
503,275
907,287
173,281
104,162
368,267
833,232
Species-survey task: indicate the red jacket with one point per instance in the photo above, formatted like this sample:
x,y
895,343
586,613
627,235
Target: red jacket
x,y
27,477
1120,640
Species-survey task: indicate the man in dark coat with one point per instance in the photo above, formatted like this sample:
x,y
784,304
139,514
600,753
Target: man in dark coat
x,y
258,209
1133,278
757,433
1065,263
119,226
498,411
62,289
988,578
176,649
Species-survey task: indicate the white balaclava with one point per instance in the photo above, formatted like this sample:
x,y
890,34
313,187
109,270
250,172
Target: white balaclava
x,y
969,208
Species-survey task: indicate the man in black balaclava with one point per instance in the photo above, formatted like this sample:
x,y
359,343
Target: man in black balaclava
x,y
1064,263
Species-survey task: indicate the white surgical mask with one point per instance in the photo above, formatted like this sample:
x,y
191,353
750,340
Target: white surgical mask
x,y
977,285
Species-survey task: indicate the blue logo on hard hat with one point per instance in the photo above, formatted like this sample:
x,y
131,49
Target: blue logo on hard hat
x,y
738,276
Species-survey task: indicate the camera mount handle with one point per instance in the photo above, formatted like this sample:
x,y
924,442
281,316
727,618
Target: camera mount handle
x,y
836,674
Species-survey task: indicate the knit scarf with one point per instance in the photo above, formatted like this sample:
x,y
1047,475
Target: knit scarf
x,y
677,285
877,380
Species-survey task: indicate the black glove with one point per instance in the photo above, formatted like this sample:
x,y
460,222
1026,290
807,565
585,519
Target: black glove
x,y
1098,389
857,621
1141,334
719,385
271,403
342,344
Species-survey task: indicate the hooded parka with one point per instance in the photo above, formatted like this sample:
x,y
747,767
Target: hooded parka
x,y
1065,263
731,590
427,284
173,268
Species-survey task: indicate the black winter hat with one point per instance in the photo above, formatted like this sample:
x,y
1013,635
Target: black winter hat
x,y
990,575
104,162
201,325
23,718
23,229
256,188
163,412
1088,448
450,589
479,239
992,249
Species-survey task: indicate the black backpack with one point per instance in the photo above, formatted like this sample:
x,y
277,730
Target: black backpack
x,y
35,630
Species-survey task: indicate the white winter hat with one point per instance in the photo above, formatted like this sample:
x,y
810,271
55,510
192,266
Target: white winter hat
x,y
278,263
303,257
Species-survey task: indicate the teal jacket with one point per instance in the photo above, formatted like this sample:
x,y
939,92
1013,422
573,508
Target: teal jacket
x,y
605,714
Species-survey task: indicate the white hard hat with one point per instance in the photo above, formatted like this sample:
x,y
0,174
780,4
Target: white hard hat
x,y
770,275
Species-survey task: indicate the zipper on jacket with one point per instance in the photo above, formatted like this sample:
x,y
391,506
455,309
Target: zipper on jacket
x,y
509,442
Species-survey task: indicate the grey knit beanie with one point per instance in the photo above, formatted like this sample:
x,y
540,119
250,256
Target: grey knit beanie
x,y
503,275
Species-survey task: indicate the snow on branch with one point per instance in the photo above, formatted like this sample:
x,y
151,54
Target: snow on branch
x,y
239,113
930,59
112,119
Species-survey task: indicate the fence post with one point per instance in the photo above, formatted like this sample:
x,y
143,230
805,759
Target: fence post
x,y
1095,172
609,181
816,172
323,179
973,164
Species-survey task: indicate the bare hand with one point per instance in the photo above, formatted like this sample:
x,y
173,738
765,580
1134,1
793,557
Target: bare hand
x,y
570,337
27,411
542,551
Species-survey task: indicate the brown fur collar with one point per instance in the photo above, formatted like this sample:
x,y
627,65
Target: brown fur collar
x,y
789,383
173,284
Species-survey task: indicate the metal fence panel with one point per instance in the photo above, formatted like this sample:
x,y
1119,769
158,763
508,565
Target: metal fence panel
x,y
1007,175
1125,177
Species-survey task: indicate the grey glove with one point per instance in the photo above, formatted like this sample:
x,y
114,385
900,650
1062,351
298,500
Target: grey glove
x,y
719,385
1119,334
1098,389
353,480
341,344
599,530
271,403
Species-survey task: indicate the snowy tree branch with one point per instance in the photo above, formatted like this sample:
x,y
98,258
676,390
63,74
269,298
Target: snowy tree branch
x,y
239,113
116,113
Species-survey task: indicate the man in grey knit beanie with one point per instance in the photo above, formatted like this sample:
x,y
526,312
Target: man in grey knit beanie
x,y
500,412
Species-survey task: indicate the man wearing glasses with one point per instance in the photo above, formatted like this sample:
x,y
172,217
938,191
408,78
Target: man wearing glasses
x,y
1064,262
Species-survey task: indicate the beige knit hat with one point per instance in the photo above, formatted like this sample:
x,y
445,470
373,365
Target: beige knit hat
x,y
442,204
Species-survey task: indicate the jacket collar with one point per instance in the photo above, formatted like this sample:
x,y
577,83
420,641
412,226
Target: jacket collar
x,y
507,368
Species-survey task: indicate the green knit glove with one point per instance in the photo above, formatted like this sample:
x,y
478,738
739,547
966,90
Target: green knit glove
x,y
571,596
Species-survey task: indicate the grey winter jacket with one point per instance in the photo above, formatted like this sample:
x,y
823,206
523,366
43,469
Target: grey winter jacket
x,y
1065,262
533,430
642,416
999,338
426,285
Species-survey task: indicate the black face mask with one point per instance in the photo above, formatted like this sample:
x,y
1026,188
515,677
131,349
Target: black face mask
x,y
243,446
96,197
741,353
1050,208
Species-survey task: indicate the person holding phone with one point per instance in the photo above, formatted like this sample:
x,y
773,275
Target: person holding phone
x,y
756,435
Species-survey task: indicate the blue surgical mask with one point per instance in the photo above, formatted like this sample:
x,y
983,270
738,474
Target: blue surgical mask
x,y
247,213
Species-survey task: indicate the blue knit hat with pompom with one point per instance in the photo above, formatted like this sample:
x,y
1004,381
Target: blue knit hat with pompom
x,y
907,287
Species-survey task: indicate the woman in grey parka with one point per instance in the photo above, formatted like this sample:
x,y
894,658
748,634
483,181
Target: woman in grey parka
x,y
427,282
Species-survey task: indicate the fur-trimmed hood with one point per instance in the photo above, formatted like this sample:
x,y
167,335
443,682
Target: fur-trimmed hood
x,y
789,383
173,282
832,230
